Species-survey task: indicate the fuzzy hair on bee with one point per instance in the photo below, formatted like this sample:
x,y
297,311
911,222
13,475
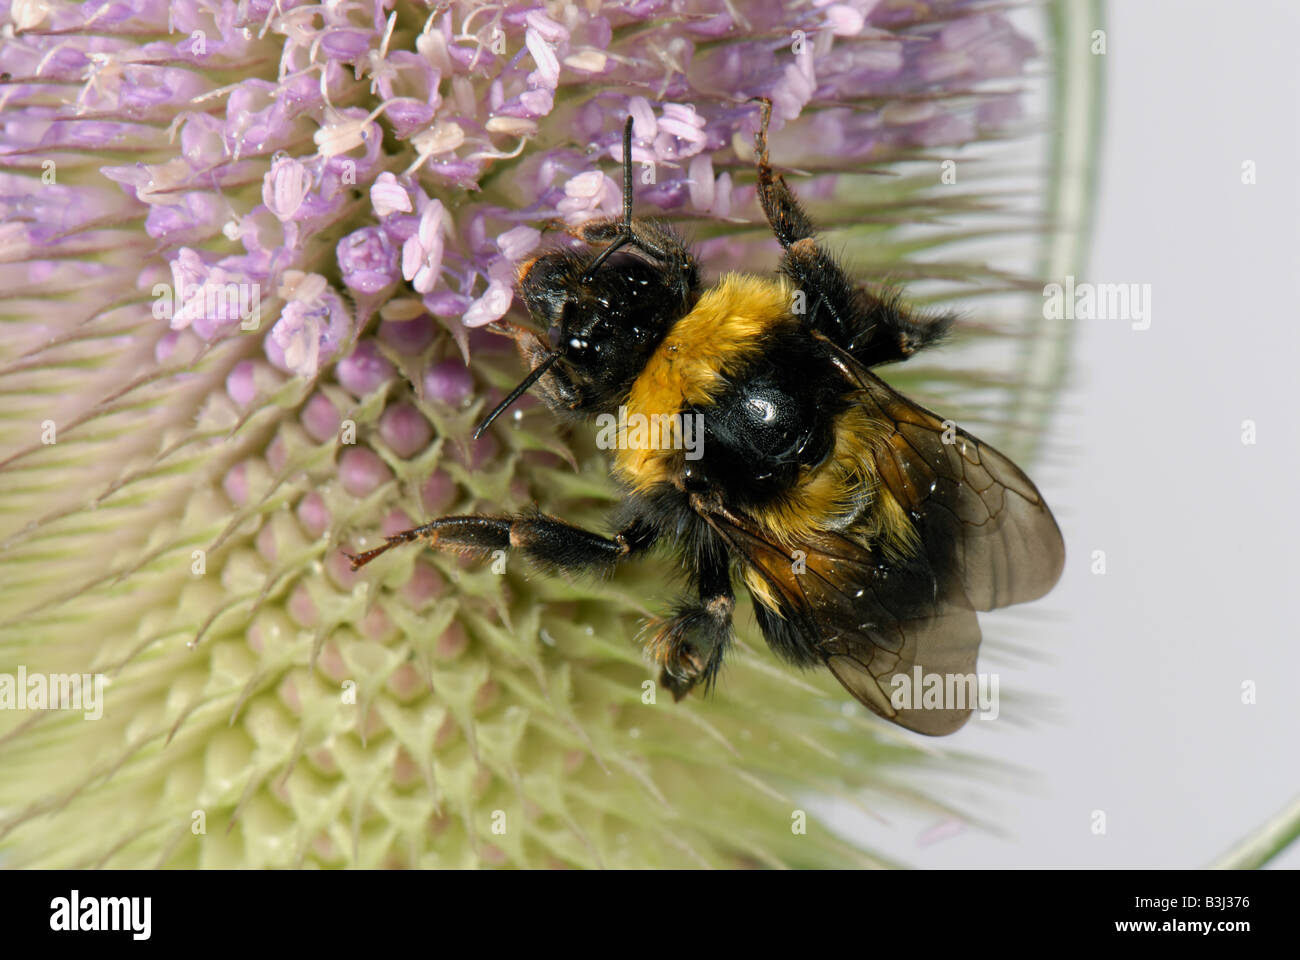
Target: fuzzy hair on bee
x,y
867,530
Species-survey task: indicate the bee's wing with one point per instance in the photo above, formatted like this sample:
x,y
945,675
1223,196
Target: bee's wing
x,y
974,508
883,628
868,621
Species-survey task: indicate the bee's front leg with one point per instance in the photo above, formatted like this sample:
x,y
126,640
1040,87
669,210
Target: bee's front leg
x,y
547,541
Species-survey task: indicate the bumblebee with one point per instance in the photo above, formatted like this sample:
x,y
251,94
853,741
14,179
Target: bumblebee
x,y
867,530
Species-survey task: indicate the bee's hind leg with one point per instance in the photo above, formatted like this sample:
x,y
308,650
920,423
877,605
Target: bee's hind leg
x,y
829,302
875,327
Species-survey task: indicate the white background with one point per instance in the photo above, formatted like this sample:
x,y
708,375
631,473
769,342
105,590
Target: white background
x,y
1142,668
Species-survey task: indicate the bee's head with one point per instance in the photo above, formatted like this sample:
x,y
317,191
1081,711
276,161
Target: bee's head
x,y
602,327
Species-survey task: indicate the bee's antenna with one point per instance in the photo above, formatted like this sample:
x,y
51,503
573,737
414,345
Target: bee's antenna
x,y
627,175
516,393
626,236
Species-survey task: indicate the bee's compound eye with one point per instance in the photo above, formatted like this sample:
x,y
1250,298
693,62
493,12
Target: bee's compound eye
x,y
553,337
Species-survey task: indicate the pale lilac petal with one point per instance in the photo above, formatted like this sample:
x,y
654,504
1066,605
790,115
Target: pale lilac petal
x,y
845,21
722,196
285,186
546,28
432,221
548,67
701,182
518,242
412,257
644,125
491,306
388,196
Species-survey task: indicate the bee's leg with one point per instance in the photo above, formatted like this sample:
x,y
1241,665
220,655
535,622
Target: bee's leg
x,y
829,300
545,540
787,218
689,646
874,328
888,330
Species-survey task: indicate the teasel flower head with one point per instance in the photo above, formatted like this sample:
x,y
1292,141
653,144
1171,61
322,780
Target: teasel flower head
x,y
248,255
